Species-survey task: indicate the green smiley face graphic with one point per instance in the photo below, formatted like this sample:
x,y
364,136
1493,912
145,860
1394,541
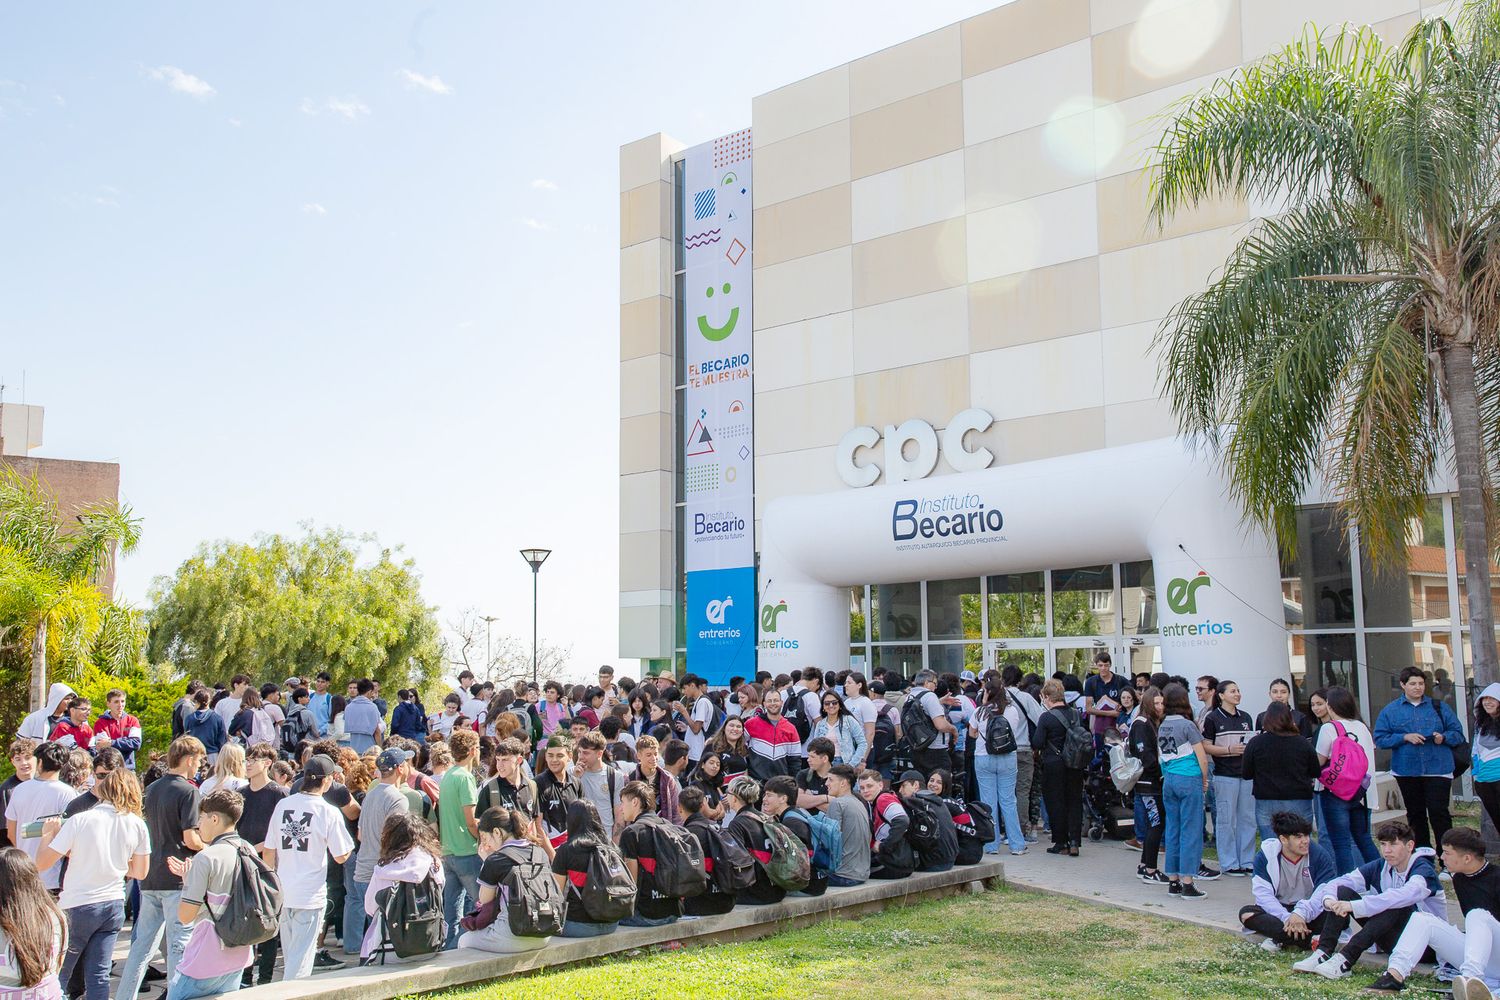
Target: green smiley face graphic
x,y
718,333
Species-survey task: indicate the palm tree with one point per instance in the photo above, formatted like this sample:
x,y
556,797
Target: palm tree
x,y
1353,335
49,597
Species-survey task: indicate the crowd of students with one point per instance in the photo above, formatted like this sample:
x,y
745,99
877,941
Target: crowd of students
x,y
517,814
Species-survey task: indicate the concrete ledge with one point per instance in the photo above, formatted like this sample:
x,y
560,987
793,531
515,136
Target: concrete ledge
x,y
464,967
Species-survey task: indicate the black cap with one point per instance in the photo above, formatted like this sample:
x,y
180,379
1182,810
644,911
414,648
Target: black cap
x,y
320,766
911,776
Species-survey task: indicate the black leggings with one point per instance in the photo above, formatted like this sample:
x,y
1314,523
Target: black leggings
x,y
1156,826
1426,800
1062,790
1489,796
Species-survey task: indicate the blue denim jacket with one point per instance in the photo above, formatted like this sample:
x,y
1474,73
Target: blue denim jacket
x,y
1412,759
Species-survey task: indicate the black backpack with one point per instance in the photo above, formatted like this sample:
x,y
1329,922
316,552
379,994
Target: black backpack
x,y
294,729
730,865
999,738
916,724
608,891
883,746
924,830
679,867
253,913
970,845
413,917
1078,743
792,712
534,905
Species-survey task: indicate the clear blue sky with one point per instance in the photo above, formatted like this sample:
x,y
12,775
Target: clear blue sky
x,y
356,263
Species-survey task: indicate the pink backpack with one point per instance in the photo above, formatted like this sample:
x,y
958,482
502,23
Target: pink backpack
x,y
1347,765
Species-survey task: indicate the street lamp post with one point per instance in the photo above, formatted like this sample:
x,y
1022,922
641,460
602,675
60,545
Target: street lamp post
x,y
489,660
535,558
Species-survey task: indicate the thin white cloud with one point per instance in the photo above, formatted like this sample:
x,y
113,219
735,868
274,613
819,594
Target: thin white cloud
x,y
432,84
183,83
313,208
543,184
536,224
351,108
235,122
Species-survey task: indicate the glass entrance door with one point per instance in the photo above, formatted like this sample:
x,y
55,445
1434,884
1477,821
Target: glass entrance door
x,y
1031,655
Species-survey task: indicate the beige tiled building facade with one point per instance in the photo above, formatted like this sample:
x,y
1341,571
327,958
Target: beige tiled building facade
x,y
956,222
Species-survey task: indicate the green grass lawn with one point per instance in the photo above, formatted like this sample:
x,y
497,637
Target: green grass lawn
x,y
1002,944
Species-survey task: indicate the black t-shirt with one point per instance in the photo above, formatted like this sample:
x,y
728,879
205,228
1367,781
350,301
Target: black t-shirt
x,y
818,882
83,803
809,781
500,792
553,797
638,843
500,864
1220,721
259,806
572,860
748,830
6,787
1480,891
732,766
1305,725
171,806
711,902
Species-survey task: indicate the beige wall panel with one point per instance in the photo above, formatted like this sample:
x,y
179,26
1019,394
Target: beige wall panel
x,y
1270,24
1030,162
1020,30
1179,44
645,385
933,392
646,502
914,195
1043,304
901,71
646,632
805,416
647,160
1145,420
1041,231
646,327
929,124
1394,29
910,263
1045,377
1130,363
1124,201
645,270
646,560
1029,439
912,330
646,443
1028,93
813,350
1125,133
802,226
802,164
1144,283
795,473
1107,14
645,213
800,107
803,288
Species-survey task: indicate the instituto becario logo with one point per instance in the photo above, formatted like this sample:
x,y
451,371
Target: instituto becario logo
x,y
1182,598
769,617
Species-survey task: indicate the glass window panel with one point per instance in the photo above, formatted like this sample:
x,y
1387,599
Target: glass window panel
x,y
1145,659
904,660
896,611
1390,653
1138,597
1030,661
955,658
1317,586
1472,694
1321,661
859,656
953,610
1414,593
857,615
1083,601
1075,660
1018,606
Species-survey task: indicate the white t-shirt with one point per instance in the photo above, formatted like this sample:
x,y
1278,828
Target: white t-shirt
x,y
99,844
473,708
228,708
304,831
30,801
862,708
703,711
981,720
212,782
442,723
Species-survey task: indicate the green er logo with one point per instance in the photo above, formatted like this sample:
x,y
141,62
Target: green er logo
x,y
718,333
768,615
1182,595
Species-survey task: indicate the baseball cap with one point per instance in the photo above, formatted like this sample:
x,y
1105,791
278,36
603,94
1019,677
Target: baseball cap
x,y
292,682
320,766
967,675
392,758
912,776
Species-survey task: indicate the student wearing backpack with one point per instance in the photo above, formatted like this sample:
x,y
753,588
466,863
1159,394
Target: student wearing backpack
x,y
305,832
261,797
864,711
1150,818
776,801
383,800
800,705
749,830
1421,733
506,841
853,817
839,726
717,898
409,854
1062,778
571,866
641,843
993,731
932,832
664,787
1346,749
1028,785
1184,766
930,741
697,713
891,855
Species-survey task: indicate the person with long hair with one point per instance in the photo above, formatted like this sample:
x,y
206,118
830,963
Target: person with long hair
x,y
732,746
1184,765
1062,785
863,708
1281,767
104,846
1486,750
708,778
507,838
229,771
846,732
570,866
33,931
1347,821
1226,729
995,766
1150,819
409,852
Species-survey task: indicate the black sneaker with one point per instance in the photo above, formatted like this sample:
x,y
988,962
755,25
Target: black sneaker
x,y
1206,873
1174,887
323,960
1387,983
1155,878
153,975
1191,892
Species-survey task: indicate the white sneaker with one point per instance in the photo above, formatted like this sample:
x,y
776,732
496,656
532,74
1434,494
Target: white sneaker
x,y
1337,967
1460,987
1310,963
1477,990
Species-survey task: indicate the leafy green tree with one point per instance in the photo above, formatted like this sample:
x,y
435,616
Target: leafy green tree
x,y
50,602
285,606
1354,334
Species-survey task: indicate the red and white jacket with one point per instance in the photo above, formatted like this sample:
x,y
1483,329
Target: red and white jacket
x,y
124,734
774,748
70,735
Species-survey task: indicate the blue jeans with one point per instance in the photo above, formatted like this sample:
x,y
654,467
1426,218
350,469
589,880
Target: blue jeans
x,y
158,915
1266,808
584,929
840,882
186,987
1348,829
92,929
636,920
996,775
1234,823
354,909
460,882
360,742
1182,798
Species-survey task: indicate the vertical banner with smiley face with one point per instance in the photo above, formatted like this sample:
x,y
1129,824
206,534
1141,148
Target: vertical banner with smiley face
x,y
718,454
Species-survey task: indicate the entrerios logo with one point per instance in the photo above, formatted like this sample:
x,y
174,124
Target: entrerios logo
x,y
1182,598
714,612
770,615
